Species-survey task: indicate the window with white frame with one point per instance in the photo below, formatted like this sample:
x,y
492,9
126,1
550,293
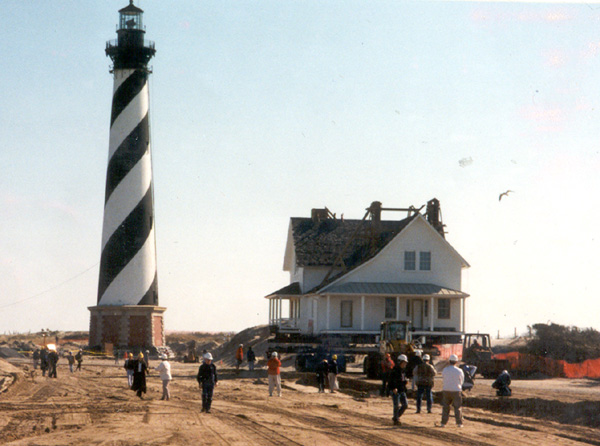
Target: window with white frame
x,y
390,308
425,261
410,260
443,308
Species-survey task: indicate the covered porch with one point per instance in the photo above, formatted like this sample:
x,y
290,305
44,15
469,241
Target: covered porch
x,y
284,309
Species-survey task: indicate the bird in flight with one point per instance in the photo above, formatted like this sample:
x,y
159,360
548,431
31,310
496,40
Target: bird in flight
x,y
504,194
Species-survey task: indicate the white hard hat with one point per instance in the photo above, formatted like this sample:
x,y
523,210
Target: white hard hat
x,y
418,353
426,357
453,358
402,358
208,356
274,354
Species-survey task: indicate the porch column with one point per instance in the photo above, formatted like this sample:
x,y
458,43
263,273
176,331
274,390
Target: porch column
x,y
279,313
327,320
315,312
397,308
270,311
362,313
431,301
464,315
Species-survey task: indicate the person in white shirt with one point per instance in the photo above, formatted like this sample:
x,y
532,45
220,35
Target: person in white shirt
x,y
452,391
164,368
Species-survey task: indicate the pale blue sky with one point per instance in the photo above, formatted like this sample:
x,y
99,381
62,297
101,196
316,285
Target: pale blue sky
x,y
262,110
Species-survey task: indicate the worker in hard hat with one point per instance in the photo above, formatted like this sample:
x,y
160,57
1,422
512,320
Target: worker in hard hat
x,y
128,366
332,375
207,380
397,384
454,378
424,376
274,374
239,357
322,371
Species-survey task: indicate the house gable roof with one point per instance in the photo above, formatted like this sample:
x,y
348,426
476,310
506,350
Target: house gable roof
x,y
412,221
320,243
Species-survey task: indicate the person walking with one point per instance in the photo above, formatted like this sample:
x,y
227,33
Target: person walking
x,y
452,391
207,380
387,364
397,384
414,361
140,370
79,359
52,363
332,374
251,356
322,370
71,361
128,366
44,360
424,377
164,369
239,357
36,358
274,373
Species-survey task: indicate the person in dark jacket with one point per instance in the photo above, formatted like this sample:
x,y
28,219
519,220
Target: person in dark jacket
x,y
79,359
208,380
397,383
44,360
36,358
140,370
322,372
502,384
52,363
251,356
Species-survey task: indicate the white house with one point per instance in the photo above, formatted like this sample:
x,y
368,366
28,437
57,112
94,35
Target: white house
x,y
347,276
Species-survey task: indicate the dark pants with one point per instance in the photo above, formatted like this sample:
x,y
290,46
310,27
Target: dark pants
x,y
385,391
400,404
52,371
424,390
207,395
321,378
453,399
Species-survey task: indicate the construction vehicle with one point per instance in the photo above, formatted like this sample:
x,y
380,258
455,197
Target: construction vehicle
x,y
396,337
192,356
477,351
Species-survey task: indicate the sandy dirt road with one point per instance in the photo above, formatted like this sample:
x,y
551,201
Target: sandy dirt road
x,y
95,407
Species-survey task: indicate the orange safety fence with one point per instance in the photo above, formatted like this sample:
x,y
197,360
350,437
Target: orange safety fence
x,y
524,362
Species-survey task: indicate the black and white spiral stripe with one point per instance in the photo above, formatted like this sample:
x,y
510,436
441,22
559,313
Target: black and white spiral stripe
x,y
128,261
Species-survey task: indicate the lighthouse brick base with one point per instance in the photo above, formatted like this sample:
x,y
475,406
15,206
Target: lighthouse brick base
x,y
127,326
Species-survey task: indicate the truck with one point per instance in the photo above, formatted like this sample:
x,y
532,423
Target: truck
x,y
477,351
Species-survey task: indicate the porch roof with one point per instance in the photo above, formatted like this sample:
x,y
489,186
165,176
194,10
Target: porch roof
x,y
293,289
395,289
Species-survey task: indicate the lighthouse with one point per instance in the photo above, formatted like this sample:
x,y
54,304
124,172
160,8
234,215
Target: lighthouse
x,y
127,312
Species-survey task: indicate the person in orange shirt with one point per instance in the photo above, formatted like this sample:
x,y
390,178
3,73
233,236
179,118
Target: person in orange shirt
x,y
239,357
273,370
